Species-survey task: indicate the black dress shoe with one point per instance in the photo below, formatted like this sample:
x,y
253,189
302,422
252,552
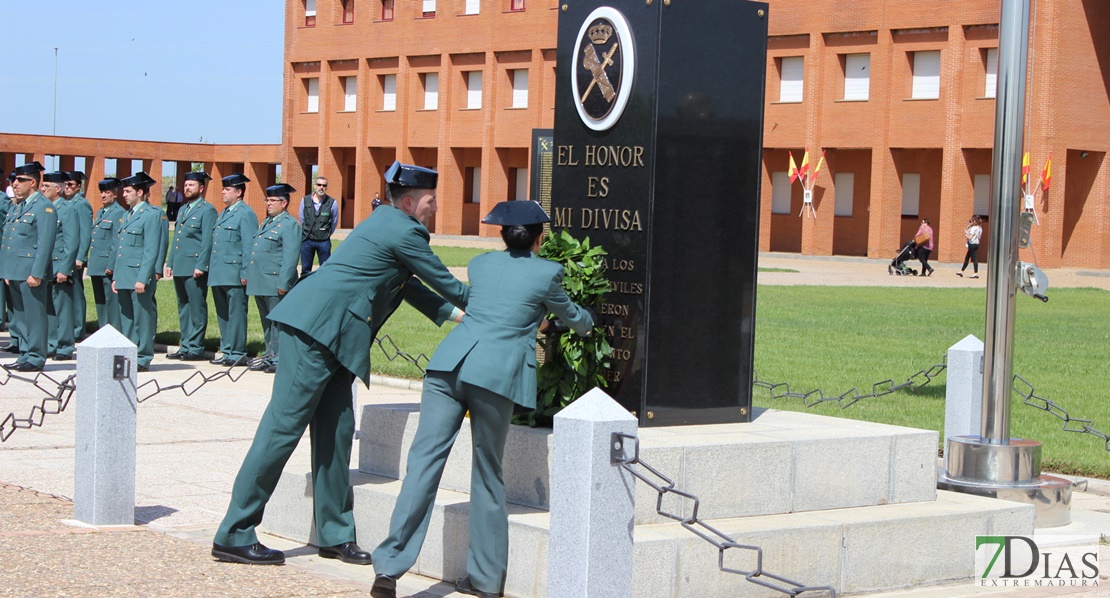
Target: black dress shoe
x,y
348,552
175,355
62,357
463,585
192,357
272,369
255,554
23,367
234,363
259,366
384,587
11,348
217,361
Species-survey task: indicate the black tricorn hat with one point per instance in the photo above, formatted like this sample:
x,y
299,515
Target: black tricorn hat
x,y
109,184
32,168
407,175
510,213
279,190
199,177
140,180
234,180
77,175
56,177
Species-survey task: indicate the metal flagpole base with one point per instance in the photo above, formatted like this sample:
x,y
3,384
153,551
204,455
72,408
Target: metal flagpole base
x,y
1008,472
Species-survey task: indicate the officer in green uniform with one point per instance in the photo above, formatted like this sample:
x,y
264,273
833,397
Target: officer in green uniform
x,y
74,195
232,238
133,274
102,253
5,207
272,270
60,338
26,253
325,329
484,366
188,265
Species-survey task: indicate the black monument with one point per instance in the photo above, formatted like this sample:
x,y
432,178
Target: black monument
x,y
658,137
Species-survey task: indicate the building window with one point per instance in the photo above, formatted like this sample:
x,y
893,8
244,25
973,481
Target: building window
x,y
844,193
516,5
857,76
521,186
312,86
471,7
982,195
780,193
473,184
926,75
791,69
431,90
520,87
990,61
309,13
389,92
348,11
350,93
911,193
387,10
474,90
428,8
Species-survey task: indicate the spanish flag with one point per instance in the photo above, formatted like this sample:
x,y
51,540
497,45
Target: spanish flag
x,y
820,162
803,171
1025,169
1046,174
793,169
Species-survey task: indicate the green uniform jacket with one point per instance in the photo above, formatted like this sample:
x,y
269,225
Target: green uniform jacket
x,y
163,241
274,256
232,238
67,239
80,204
192,238
511,291
5,207
28,243
344,303
137,250
104,237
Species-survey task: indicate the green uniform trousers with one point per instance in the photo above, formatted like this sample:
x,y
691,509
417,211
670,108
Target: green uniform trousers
x,y
192,312
107,303
139,318
231,314
29,317
269,332
311,389
443,404
60,317
80,308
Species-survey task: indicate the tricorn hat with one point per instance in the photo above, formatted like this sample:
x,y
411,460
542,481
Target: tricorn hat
x,y
510,213
109,184
139,180
199,177
279,190
77,175
31,168
56,177
234,180
407,175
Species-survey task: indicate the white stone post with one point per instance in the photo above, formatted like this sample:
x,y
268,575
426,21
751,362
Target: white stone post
x,y
592,502
963,397
104,474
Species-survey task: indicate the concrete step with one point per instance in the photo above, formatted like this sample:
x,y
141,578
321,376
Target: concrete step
x,y
781,462
861,549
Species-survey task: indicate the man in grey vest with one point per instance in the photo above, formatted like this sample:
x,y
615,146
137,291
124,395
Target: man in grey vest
x,y
319,213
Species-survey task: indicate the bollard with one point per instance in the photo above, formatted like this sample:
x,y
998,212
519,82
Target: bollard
x,y
104,474
592,502
963,396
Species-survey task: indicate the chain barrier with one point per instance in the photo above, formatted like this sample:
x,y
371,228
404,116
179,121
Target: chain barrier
x,y
723,542
55,402
781,390
1071,424
393,353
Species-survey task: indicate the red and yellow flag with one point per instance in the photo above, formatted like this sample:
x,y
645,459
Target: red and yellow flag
x,y
1024,169
816,171
793,169
1046,174
803,170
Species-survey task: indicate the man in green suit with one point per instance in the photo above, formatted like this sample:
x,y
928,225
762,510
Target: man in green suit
x,y
272,270
325,329
60,338
188,265
102,253
26,253
74,195
5,207
137,262
484,366
232,238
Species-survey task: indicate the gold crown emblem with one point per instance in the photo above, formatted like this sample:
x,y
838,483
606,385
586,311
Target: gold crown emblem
x,y
600,33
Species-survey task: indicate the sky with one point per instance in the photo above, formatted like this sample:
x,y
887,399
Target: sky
x,y
156,70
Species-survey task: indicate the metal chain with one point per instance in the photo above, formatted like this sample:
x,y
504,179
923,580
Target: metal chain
x,y
781,390
664,485
54,403
393,352
1071,424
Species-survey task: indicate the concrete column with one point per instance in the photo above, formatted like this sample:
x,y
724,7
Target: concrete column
x,y
963,396
592,502
104,468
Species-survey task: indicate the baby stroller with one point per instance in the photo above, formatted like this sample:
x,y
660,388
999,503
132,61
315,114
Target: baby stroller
x,y
898,264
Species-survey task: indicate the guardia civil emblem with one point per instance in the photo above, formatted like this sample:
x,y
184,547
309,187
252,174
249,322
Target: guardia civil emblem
x,y
604,63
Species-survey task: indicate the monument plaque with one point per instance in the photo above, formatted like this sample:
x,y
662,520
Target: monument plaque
x,y
658,138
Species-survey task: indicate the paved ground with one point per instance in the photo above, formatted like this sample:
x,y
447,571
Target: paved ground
x,y
189,449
